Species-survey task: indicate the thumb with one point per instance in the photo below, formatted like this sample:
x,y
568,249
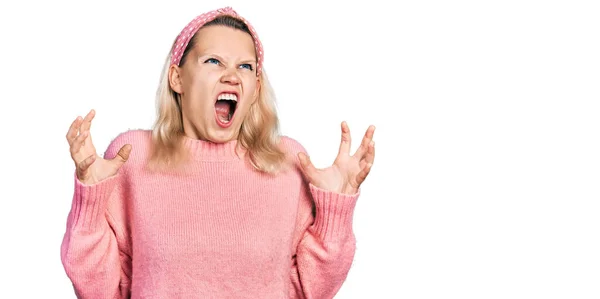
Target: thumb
x,y
122,156
307,167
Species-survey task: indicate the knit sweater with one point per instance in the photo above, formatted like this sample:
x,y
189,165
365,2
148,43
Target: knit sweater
x,y
218,230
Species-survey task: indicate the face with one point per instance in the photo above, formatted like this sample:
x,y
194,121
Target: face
x,y
217,83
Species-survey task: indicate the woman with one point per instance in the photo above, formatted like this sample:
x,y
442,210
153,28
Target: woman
x,y
212,202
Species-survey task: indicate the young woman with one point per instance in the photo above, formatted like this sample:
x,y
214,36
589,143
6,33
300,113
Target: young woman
x,y
212,202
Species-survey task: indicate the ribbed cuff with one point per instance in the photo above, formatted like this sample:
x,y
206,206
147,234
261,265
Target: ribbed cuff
x,y
90,203
334,212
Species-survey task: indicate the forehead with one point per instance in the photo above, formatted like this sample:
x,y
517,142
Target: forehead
x,y
224,40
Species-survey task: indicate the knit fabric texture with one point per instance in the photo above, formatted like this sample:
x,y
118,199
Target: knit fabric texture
x,y
219,230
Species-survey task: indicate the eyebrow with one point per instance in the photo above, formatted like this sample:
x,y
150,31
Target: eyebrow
x,y
249,61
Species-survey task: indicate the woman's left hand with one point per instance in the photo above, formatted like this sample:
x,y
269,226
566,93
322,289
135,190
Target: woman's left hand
x,y
348,172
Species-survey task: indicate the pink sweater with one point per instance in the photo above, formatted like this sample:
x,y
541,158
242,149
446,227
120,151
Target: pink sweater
x,y
221,230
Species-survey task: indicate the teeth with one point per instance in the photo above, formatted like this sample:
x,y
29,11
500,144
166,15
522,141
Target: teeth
x,y
227,96
224,119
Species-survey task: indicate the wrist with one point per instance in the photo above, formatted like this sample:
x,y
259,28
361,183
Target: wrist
x,y
348,190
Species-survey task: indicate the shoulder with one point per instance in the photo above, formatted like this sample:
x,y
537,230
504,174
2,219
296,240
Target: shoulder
x,y
291,146
139,139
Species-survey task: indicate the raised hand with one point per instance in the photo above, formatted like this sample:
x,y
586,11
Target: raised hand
x,y
90,167
347,172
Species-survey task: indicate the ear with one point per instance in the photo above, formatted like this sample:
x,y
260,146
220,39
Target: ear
x,y
256,90
175,78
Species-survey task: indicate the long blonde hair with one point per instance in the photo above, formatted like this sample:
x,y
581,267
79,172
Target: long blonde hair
x,y
259,133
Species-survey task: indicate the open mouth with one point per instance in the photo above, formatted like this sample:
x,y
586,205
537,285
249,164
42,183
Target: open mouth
x,y
225,108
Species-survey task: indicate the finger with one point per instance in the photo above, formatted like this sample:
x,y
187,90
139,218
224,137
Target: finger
x,y
364,145
85,164
346,140
87,121
362,175
72,133
306,165
122,155
76,145
369,157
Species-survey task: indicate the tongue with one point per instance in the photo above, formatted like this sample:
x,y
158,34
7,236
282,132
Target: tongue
x,y
222,109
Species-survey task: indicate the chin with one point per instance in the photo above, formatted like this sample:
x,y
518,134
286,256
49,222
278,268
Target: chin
x,y
221,135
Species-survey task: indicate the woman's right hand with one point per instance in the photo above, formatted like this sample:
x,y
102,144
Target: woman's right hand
x,y
92,168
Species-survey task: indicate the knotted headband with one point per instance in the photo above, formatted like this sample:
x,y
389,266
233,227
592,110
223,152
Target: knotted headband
x,y
188,32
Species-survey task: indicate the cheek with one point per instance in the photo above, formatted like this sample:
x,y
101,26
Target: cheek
x,y
201,85
199,79
250,86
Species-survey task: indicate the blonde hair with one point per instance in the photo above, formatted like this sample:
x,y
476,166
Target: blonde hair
x,y
259,133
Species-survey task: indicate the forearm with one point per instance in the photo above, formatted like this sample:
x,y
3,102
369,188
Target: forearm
x,y
325,253
89,251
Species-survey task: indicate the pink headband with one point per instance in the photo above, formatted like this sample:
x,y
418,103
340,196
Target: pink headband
x,y
186,34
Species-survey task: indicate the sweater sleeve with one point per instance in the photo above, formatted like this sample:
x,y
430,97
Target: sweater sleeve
x,y
94,251
325,243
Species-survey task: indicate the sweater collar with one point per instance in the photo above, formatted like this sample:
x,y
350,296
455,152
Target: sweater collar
x,y
208,150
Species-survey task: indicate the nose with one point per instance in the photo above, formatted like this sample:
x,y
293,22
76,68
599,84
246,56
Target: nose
x,y
230,77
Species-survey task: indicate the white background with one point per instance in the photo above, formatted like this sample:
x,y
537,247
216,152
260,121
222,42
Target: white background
x,y
486,180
